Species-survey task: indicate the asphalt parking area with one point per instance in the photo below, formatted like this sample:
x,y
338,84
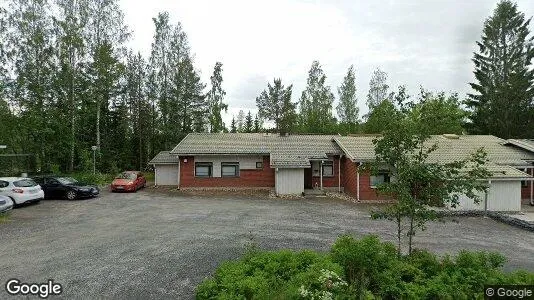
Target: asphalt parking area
x,y
156,245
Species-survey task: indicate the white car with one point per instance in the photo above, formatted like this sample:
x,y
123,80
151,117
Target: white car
x,y
5,204
21,190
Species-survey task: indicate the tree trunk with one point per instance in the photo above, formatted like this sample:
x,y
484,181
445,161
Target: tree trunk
x,y
411,232
98,123
399,233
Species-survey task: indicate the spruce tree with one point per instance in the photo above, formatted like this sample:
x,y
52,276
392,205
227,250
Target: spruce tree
x,y
501,103
233,127
275,104
316,103
257,124
249,123
347,108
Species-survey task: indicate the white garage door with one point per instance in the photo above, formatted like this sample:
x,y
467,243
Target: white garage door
x,y
166,174
502,196
289,181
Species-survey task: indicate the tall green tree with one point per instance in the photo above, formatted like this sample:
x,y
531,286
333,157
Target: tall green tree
x,y
233,126
383,117
215,99
502,101
70,80
378,89
422,180
31,54
257,124
316,103
249,123
347,108
140,110
438,113
106,34
274,103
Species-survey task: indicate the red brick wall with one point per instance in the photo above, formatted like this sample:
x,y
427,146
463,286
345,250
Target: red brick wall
x,y
247,178
349,170
329,181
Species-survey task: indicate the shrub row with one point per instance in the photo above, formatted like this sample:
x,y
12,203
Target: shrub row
x,y
358,269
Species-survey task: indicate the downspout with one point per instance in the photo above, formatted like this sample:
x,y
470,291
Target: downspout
x,y
155,175
531,188
179,171
358,181
339,174
321,168
486,200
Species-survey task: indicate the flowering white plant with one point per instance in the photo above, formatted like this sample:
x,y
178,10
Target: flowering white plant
x,y
329,282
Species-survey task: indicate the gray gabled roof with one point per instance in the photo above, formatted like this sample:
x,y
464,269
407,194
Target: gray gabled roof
x,y
525,144
285,151
164,157
450,148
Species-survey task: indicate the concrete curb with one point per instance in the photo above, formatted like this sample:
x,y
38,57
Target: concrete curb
x,y
504,217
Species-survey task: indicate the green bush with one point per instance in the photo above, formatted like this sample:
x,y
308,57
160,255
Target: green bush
x,y
359,269
273,275
90,178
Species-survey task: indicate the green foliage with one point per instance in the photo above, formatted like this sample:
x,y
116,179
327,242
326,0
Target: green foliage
x,y
90,178
268,275
4,217
504,75
421,179
378,89
438,113
215,99
347,108
363,260
249,123
275,104
316,103
233,127
358,269
383,117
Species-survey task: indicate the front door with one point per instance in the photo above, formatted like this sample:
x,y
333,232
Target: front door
x,y
308,178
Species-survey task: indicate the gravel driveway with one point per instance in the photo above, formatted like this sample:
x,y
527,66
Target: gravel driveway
x,y
157,245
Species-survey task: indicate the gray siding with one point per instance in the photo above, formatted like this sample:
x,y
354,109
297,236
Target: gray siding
x,y
289,181
502,196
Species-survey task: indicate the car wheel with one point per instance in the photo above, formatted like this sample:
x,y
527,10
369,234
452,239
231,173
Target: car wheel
x,y
70,195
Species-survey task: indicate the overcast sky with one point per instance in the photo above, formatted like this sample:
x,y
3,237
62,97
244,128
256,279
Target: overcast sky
x,y
428,43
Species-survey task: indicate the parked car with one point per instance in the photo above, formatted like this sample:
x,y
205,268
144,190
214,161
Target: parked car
x,y
5,204
21,190
66,188
128,181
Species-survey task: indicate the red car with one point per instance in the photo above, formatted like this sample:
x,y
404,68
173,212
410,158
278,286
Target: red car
x,y
128,181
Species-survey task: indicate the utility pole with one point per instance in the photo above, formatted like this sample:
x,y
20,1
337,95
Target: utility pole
x,y
94,148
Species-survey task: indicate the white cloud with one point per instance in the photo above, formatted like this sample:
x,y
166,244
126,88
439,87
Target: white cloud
x,y
427,43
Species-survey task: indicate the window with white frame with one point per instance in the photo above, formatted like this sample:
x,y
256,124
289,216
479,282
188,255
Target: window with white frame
x,y
230,169
328,168
203,169
381,177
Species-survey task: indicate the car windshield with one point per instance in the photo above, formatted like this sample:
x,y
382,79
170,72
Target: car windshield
x,y
67,180
24,183
127,175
